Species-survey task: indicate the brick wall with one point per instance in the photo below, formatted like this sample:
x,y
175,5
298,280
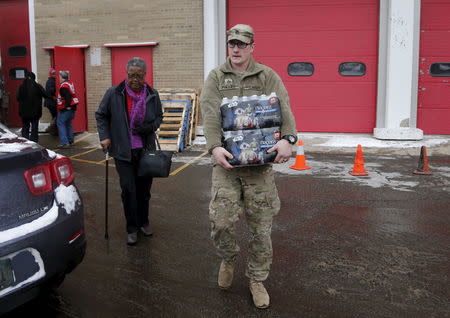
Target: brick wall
x,y
176,25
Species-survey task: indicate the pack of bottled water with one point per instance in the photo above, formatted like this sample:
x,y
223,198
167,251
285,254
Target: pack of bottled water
x,y
251,126
249,147
253,112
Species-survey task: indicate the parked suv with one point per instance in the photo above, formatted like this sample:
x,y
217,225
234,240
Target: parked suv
x,y
41,220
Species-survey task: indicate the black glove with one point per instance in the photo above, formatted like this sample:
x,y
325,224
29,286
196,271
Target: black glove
x,y
145,129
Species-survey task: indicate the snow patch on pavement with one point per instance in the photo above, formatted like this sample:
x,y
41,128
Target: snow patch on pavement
x,y
366,141
339,170
445,171
375,179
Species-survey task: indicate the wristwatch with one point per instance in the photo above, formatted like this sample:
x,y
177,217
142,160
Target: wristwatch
x,y
290,138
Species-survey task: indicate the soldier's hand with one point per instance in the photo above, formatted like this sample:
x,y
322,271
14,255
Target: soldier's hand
x,y
105,143
220,155
283,149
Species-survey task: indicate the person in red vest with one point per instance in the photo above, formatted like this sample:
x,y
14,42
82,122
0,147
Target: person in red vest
x,y
67,104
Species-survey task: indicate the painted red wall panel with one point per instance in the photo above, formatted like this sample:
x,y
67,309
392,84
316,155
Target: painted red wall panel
x,y
439,97
432,121
326,69
433,43
72,60
312,17
299,3
120,57
358,120
331,95
433,101
14,31
324,33
317,43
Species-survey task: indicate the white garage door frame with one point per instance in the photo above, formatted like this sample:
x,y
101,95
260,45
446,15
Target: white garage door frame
x,y
399,34
398,65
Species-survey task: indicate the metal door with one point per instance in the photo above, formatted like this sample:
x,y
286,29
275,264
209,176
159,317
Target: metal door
x,y
72,60
433,106
326,53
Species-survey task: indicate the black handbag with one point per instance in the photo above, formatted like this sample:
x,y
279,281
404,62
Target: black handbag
x,y
155,163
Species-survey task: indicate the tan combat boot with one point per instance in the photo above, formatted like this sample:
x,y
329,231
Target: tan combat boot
x,y
261,298
225,277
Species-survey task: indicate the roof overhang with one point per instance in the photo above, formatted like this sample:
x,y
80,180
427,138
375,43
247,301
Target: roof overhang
x,y
80,46
130,44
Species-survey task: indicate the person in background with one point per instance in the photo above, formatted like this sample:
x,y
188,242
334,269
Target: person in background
x,y
4,101
127,119
67,103
250,189
29,96
50,103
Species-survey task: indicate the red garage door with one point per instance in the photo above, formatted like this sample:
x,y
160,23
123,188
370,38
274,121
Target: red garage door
x,y
433,115
14,51
326,53
72,59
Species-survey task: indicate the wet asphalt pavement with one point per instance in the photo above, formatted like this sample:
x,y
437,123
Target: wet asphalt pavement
x,y
344,246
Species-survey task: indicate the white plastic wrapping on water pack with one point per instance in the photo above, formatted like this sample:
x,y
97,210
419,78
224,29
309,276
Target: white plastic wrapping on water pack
x,y
251,126
249,147
241,113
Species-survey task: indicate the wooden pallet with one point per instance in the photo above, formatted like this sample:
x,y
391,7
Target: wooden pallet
x,y
170,131
174,121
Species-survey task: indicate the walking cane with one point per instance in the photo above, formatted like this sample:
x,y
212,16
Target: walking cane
x,y
106,196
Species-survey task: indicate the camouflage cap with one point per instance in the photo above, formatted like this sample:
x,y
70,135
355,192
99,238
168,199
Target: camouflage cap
x,y
241,32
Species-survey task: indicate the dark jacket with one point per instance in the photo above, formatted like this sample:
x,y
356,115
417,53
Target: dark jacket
x,y
50,88
30,96
113,122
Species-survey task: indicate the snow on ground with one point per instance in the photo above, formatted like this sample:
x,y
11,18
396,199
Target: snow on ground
x,y
339,170
353,140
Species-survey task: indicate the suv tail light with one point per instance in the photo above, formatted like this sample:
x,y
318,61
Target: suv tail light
x,y
40,178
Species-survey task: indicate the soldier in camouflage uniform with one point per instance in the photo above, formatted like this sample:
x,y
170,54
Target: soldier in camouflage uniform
x,y
238,190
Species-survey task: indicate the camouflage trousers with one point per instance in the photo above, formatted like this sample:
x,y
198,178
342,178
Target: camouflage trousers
x,y
249,190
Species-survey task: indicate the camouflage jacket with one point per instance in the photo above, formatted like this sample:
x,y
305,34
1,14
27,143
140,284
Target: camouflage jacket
x,y
223,81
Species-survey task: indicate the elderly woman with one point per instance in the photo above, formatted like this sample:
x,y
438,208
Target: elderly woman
x,y
127,118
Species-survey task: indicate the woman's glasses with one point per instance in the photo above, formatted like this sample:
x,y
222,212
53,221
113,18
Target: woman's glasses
x,y
136,76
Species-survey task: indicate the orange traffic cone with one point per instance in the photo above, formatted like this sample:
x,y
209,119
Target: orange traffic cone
x,y
300,160
423,162
358,166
